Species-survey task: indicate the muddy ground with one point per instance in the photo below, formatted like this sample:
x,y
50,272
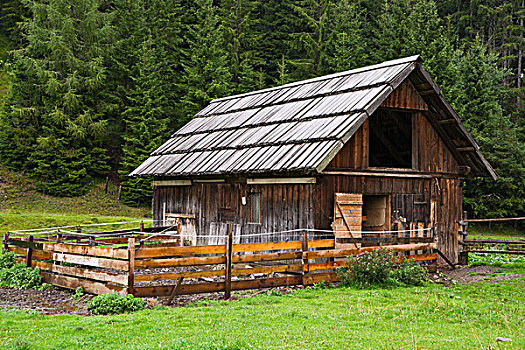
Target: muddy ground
x,y
60,301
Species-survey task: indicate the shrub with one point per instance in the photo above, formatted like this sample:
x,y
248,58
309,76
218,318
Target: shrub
x,y
410,273
113,303
367,268
7,260
20,276
377,268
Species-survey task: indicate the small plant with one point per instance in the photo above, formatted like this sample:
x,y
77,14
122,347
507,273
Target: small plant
x,y
7,260
410,273
17,275
79,292
273,292
377,268
113,303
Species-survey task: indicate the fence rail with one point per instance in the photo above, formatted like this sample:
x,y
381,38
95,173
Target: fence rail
x,y
155,264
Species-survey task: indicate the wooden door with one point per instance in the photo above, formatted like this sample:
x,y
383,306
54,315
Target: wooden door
x,y
348,219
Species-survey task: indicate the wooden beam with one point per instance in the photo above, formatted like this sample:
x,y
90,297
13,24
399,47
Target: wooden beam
x,y
174,291
281,180
465,149
447,121
159,183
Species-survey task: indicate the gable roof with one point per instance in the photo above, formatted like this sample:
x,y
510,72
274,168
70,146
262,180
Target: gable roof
x,y
297,127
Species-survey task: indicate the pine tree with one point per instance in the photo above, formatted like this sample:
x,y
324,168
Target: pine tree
x,y
152,102
239,22
347,45
57,115
475,93
311,41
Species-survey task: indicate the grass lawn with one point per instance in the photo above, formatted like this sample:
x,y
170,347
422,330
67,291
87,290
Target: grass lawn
x,y
21,207
432,317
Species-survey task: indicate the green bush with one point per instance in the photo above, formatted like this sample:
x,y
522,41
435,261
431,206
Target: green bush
x,y
367,269
20,276
377,268
7,260
113,303
410,273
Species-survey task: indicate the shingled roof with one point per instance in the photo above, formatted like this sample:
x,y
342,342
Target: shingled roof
x,y
297,127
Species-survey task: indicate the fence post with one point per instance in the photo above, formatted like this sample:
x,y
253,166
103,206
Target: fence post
x,y
305,264
6,245
131,264
463,255
228,263
29,256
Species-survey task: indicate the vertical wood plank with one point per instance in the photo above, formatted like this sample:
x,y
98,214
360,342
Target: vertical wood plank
x,y
5,246
306,266
131,264
29,256
228,262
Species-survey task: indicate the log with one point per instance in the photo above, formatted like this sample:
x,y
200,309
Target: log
x,y
131,265
174,276
348,252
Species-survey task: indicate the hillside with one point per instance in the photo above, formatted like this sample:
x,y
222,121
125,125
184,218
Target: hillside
x,y
21,207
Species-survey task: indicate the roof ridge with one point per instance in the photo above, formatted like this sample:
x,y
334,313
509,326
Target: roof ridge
x,y
384,64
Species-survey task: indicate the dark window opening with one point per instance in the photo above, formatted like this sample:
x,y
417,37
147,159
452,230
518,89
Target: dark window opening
x,y
390,139
253,208
376,213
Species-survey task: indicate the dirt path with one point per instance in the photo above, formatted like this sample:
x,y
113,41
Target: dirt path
x,y
467,275
47,302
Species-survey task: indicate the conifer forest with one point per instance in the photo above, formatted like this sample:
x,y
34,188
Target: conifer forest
x,y
88,89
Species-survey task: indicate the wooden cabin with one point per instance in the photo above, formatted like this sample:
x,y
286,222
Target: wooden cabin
x,y
371,149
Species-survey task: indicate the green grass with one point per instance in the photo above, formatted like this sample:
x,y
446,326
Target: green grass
x,y
496,231
432,317
21,207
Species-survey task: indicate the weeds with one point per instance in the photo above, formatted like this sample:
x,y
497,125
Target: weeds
x,y
113,303
17,275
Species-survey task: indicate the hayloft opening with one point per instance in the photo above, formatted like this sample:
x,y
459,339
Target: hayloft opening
x,y
390,139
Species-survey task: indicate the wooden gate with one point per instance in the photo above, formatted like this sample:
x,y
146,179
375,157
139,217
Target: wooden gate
x,y
348,218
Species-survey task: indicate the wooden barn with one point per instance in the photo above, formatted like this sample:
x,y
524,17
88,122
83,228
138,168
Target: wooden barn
x,y
375,149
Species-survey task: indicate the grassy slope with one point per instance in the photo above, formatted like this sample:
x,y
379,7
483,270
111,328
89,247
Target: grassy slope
x,y
21,207
434,317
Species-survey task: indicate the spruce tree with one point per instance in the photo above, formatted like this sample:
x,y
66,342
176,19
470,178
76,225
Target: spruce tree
x,y
242,40
153,108
56,117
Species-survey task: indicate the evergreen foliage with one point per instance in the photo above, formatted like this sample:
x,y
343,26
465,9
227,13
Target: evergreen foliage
x,y
95,86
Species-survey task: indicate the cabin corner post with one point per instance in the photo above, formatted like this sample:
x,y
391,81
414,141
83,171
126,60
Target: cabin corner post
x,y
228,263
131,265
5,246
305,264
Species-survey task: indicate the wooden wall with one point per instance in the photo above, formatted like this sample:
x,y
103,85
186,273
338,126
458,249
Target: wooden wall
x,y
283,206
446,192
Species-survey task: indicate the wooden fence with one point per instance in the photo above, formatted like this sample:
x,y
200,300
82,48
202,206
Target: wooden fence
x,y
157,265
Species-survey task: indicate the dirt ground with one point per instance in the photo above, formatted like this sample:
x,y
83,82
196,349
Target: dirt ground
x,y
60,301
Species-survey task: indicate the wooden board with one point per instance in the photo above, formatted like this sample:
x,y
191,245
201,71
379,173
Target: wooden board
x,y
252,247
155,263
347,218
144,253
91,261
81,272
74,282
87,250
